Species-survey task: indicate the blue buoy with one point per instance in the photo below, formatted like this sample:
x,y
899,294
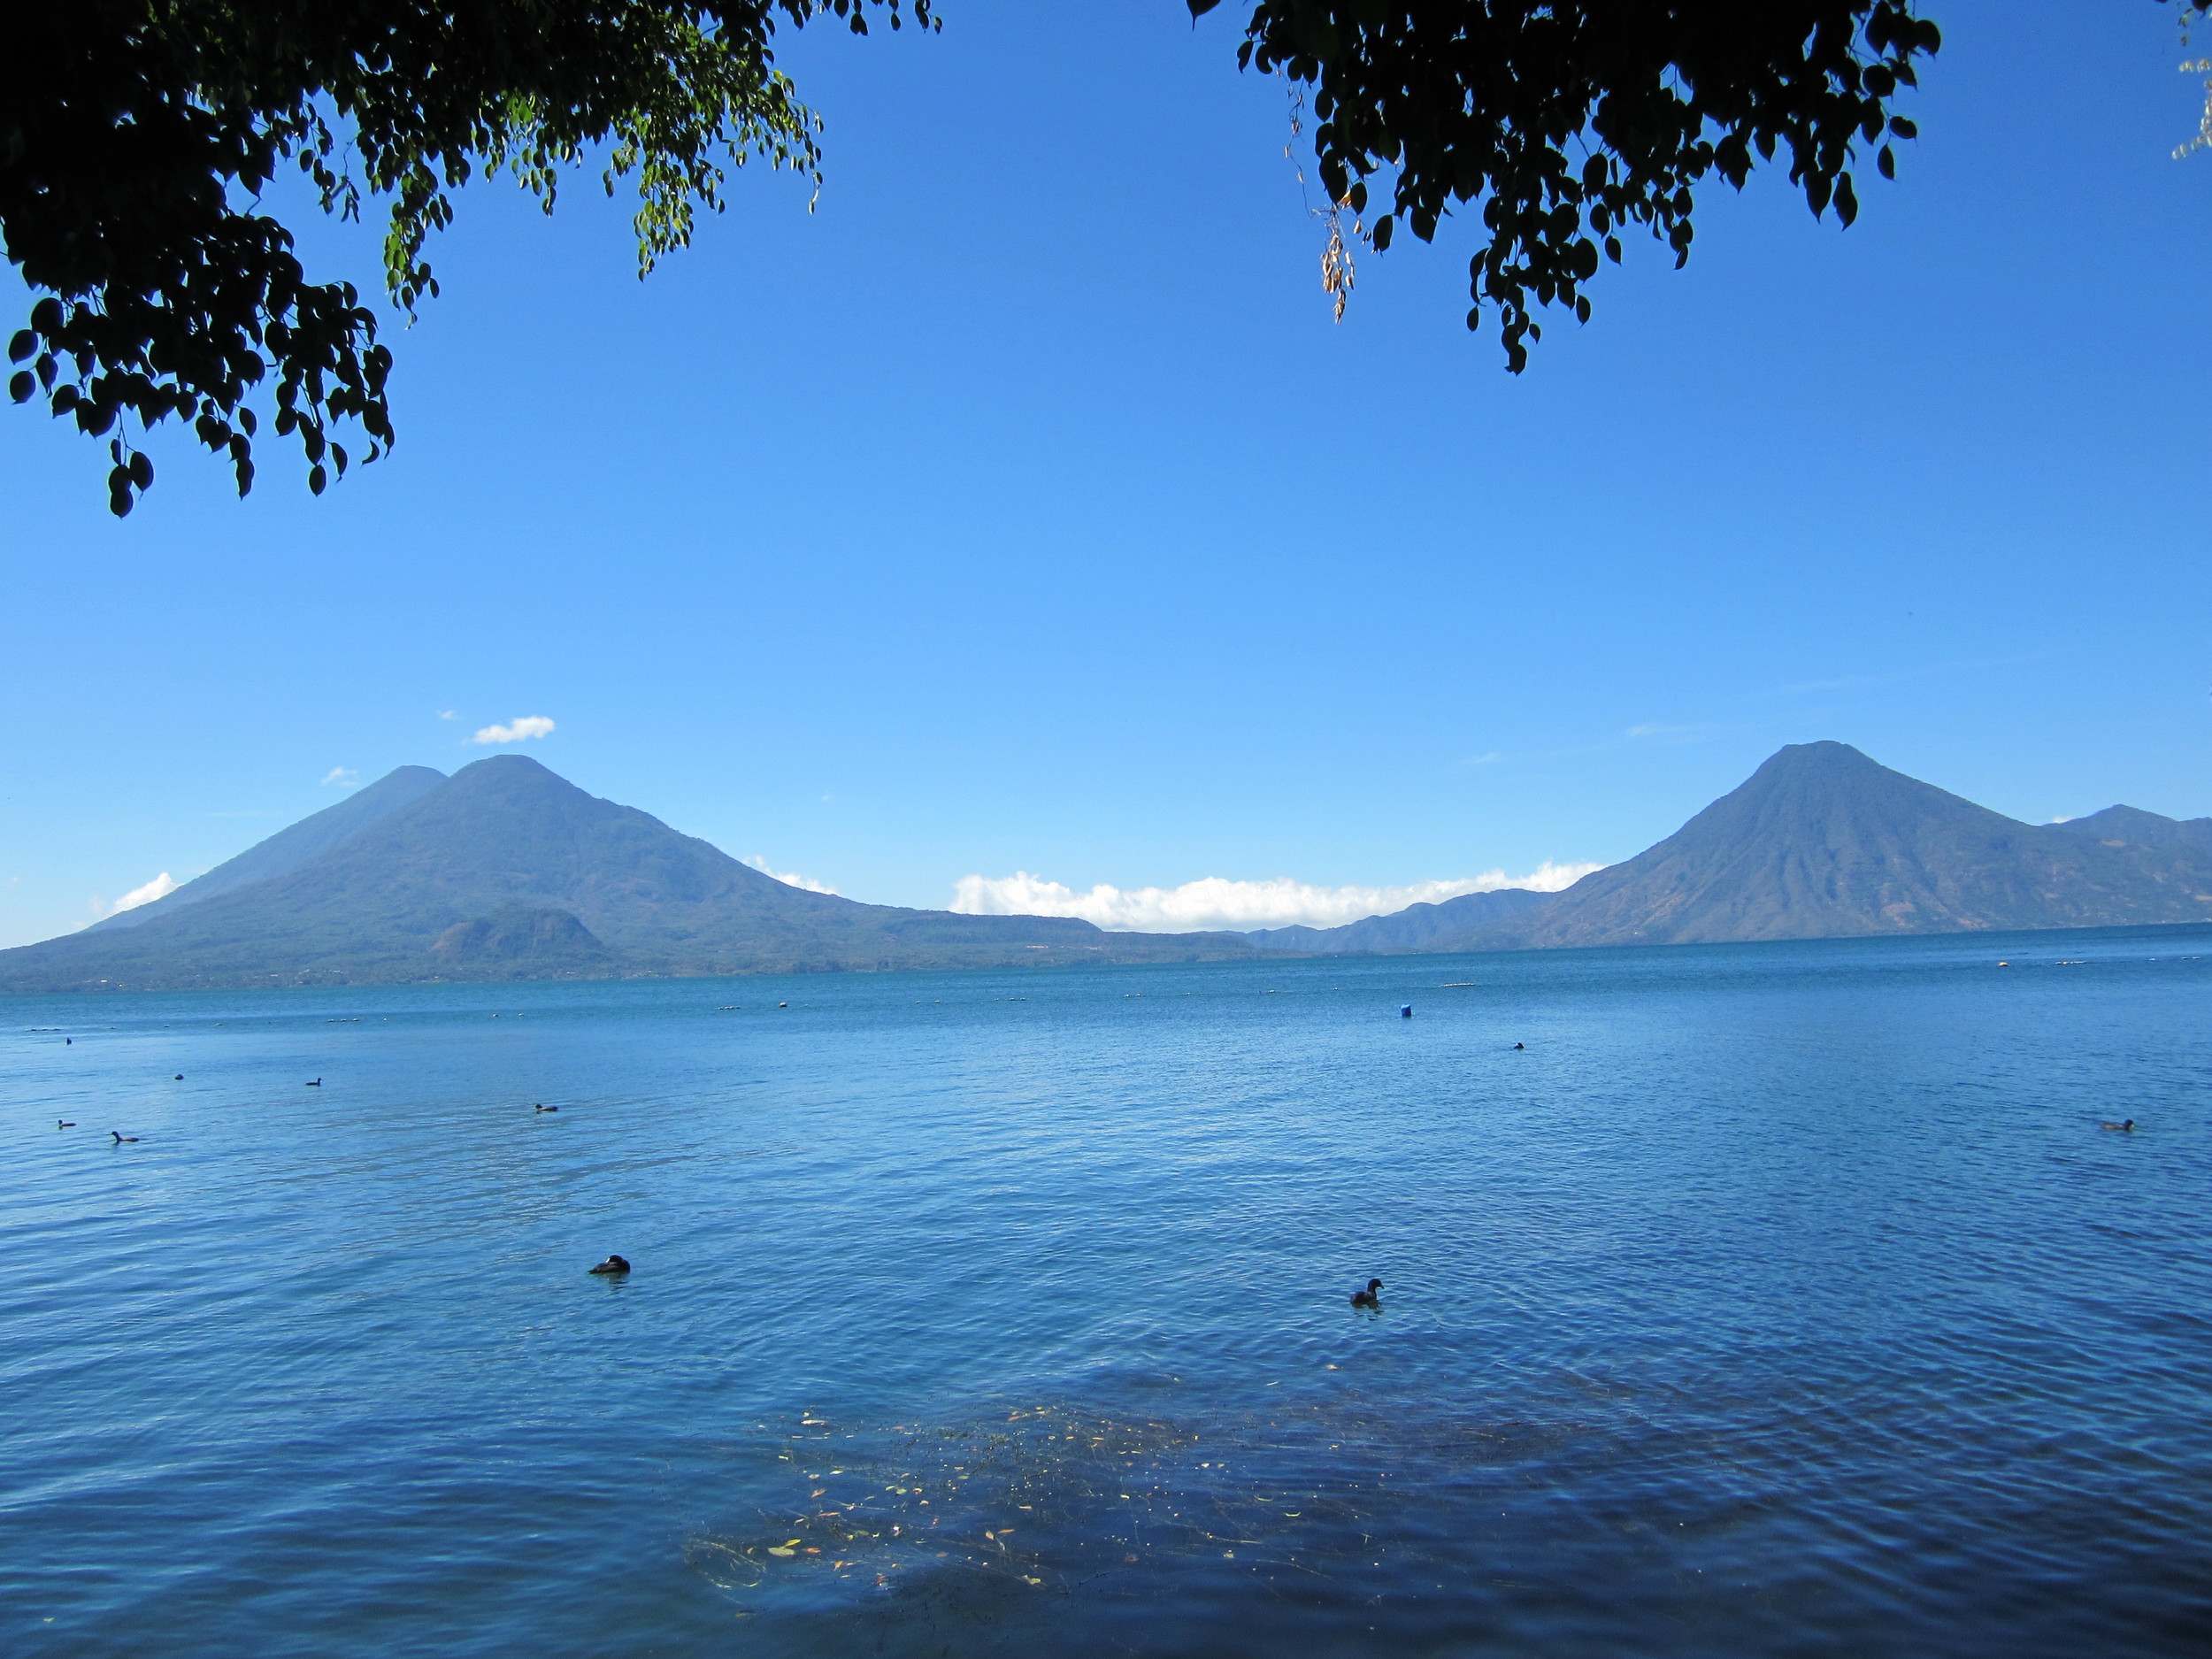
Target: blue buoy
x,y
1406,1012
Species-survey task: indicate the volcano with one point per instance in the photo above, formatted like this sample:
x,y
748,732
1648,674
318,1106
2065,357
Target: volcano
x,y
1822,843
507,870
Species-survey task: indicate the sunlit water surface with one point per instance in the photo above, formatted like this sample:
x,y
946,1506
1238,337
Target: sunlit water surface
x,y
1778,1300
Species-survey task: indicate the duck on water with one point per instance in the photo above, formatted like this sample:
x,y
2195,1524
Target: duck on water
x,y
614,1264
1366,1298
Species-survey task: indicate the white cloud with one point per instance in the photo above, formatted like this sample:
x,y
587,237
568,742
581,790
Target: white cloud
x,y
344,777
160,888
808,883
1698,732
528,725
1216,902
445,714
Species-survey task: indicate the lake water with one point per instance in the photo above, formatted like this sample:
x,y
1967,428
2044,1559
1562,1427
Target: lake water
x,y
1774,1299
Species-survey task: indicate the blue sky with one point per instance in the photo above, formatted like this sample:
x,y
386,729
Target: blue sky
x,y
1022,509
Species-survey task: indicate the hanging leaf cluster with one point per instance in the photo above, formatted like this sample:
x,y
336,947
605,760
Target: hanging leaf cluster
x,y
1568,122
137,137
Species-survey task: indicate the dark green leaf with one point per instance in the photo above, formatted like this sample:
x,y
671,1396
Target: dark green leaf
x,y
143,140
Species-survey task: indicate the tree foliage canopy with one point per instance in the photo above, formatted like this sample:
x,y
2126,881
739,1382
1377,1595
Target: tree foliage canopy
x,y
137,135
1570,121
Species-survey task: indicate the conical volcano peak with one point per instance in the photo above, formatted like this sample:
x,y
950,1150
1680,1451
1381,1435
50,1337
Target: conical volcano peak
x,y
513,781
507,766
1823,842
1824,785
1821,751
1826,758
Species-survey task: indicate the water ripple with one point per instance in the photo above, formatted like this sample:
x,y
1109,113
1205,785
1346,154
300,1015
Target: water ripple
x,y
1777,1300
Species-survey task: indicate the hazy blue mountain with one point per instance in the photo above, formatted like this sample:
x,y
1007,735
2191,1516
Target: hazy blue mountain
x,y
288,849
506,870
1822,842
1416,928
2131,827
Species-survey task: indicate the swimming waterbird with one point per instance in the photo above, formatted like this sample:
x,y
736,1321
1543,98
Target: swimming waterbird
x,y
1366,1298
612,1264
121,1137
2127,1127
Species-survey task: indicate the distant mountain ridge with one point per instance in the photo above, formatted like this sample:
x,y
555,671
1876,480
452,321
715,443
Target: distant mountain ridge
x,y
2131,827
507,870
504,871
1416,928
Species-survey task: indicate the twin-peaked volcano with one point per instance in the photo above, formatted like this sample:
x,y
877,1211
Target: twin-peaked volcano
x,y
504,871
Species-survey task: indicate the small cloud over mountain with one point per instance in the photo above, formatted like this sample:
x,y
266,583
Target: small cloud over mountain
x,y
160,888
529,725
1216,902
804,883
344,777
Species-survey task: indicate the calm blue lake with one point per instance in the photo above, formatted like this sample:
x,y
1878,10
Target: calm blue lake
x,y
1774,1299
